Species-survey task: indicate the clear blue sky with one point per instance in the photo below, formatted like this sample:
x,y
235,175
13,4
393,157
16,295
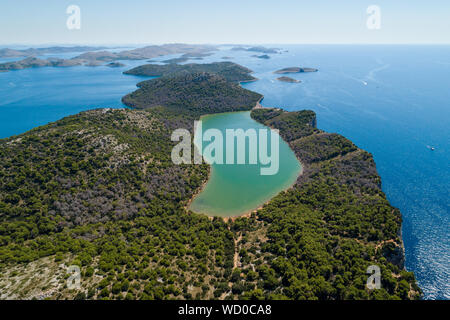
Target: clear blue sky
x,y
225,21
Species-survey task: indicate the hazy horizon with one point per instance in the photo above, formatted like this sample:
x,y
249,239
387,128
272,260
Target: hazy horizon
x,y
132,45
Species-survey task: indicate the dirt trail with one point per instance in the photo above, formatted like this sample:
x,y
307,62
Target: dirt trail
x,y
236,251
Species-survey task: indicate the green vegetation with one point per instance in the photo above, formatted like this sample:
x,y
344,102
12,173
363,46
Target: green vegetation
x,y
335,222
99,190
192,93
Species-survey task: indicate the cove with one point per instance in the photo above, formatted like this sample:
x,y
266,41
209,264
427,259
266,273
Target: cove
x,y
236,189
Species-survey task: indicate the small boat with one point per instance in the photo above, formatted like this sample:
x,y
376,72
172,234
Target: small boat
x,y
431,148
365,83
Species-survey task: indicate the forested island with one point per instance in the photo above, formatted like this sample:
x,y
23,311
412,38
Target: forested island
x,y
99,190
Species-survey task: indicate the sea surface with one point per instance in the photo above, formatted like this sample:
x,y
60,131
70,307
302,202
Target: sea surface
x,y
236,189
393,101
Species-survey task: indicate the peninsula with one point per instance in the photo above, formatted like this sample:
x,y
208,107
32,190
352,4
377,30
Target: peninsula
x,y
99,190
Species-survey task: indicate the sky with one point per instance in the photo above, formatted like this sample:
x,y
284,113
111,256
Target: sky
x,y
225,21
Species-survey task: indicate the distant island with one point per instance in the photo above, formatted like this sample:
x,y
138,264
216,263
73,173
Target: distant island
x,y
13,53
96,58
148,52
36,62
187,56
115,65
264,56
288,79
259,49
229,70
33,62
295,70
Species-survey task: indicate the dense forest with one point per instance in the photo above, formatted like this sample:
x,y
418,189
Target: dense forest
x,y
99,190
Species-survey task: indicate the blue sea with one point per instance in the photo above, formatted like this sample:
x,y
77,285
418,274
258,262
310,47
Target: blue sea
x,y
393,101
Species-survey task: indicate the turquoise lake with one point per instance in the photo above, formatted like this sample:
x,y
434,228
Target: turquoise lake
x,y
402,111
235,189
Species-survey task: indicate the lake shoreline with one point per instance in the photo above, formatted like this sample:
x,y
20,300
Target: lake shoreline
x,y
249,212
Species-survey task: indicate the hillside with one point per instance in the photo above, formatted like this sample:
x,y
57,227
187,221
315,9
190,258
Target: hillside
x,y
98,190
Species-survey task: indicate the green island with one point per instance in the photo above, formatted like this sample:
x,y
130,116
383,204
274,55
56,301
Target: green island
x,y
99,190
